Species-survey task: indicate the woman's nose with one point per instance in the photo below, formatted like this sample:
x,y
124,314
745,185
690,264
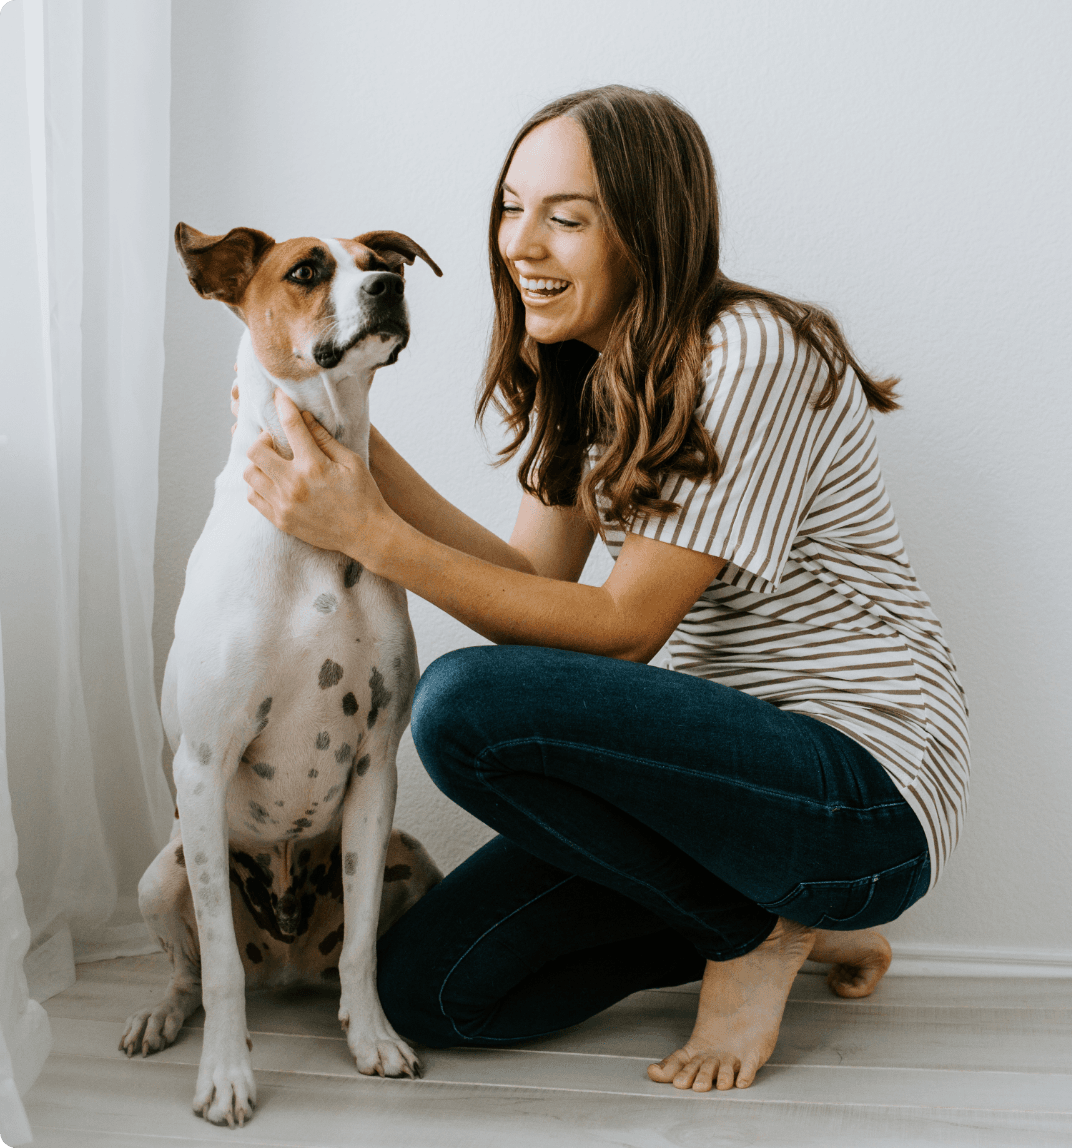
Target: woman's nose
x,y
522,240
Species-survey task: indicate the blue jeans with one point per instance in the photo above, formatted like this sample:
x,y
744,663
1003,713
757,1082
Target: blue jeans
x,y
649,821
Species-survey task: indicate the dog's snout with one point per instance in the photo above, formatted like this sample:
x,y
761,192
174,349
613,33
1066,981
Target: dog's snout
x,y
384,283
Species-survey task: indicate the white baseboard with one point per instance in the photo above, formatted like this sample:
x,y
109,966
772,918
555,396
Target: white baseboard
x,y
932,960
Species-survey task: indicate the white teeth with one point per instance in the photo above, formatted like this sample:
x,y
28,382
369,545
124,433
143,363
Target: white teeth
x,y
543,284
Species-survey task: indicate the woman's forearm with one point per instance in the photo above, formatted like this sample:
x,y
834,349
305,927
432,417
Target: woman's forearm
x,y
423,507
505,604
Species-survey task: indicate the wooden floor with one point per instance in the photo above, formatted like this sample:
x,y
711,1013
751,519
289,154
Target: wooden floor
x,y
942,1061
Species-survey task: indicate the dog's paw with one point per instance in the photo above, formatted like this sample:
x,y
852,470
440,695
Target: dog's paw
x,y
152,1029
226,1092
378,1050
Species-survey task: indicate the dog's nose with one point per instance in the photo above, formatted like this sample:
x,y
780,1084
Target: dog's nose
x,y
383,283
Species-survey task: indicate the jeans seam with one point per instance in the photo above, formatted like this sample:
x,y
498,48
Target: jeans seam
x,y
573,845
830,808
490,929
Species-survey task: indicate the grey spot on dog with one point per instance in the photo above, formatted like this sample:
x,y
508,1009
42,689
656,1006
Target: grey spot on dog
x,y
314,772
349,705
262,714
343,753
263,769
204,753
409,842
397,873
323,739
180,857
331,792
254,954
199,788
362,765
349,866
326,603
302,823
330,674
259,812
200,858
280,804
381,696
205,877
351,573
309,812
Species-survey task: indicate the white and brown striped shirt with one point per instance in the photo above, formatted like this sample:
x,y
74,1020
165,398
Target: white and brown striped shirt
x,y
817,609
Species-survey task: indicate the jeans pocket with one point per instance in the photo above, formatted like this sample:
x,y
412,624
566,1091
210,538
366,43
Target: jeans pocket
x,y
858,904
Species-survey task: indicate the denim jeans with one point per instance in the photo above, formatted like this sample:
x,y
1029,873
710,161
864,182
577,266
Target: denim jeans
x,y
649,821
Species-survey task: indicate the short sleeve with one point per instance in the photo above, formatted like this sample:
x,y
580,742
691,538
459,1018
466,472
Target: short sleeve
x,y
757,404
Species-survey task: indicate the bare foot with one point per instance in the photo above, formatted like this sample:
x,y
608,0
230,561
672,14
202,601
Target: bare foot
x,y
860,959
741,1006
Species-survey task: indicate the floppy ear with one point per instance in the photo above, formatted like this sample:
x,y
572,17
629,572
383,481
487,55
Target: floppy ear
x,y
395,248
221,266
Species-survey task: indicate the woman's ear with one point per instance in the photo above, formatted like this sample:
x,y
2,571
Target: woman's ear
x,y
221,266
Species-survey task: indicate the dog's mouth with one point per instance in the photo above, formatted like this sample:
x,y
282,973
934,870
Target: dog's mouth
x,y
330,354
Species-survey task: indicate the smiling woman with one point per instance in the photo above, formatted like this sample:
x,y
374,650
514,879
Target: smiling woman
x,y
800,775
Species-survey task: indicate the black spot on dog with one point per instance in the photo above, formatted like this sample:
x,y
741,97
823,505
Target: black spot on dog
x,y
330,674
381,696
332,941
204,753
343,753
262,714
349,705
280,804
314,773
409,842
302,823
350,864
304,856
254,953
397,873
264,860
362,765
351,574
317,875
323,739
259,812
331,974
325,603
180,857
263,769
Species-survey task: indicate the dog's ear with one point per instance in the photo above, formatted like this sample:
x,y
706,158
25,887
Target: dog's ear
x,y
221,266
394,249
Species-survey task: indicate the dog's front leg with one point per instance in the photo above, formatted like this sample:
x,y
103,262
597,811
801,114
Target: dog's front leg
x,y
225,1093
366,826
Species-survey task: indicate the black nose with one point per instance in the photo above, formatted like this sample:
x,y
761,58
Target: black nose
x,y
383,283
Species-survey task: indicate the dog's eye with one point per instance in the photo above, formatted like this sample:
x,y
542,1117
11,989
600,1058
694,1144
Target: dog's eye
x,y
303,273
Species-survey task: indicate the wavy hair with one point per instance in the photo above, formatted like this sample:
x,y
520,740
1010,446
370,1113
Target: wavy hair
x,y
637,401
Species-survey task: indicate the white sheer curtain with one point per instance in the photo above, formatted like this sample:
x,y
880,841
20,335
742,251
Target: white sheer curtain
x,y
84,234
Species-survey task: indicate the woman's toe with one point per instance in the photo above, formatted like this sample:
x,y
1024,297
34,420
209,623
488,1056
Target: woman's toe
x,y
749,1068
667,1068
705,1075
727,1073
687,1074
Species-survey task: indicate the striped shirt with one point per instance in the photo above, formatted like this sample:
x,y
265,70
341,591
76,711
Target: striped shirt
x,y
817,609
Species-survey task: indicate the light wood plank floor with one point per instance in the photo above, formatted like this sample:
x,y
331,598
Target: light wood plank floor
x,y
925,1061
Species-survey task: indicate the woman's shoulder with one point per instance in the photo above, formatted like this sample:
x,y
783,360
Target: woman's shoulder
x,y
749,329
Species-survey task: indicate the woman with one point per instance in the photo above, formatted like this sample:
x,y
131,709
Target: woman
x,y
799,776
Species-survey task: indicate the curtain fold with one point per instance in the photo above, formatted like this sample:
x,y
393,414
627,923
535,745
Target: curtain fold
x,y
84,240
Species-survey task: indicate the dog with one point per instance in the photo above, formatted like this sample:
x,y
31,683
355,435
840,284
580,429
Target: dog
x,y
287,689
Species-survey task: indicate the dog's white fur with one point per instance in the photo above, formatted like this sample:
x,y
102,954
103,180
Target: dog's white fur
x,y
286,692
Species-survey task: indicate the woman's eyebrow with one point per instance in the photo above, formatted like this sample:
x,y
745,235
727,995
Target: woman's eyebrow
x,y
561,197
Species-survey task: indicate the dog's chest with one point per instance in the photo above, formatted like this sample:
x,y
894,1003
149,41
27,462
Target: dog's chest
x,y
339,670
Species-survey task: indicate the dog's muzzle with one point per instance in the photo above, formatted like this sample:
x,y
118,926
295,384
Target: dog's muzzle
x,y
384,312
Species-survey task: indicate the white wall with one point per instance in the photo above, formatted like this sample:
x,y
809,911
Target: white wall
x,y
904,163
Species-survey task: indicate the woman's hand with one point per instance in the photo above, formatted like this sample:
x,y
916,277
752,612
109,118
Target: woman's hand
x,y
325,495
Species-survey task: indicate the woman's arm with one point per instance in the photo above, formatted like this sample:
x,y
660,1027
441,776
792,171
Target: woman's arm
x,y
327,497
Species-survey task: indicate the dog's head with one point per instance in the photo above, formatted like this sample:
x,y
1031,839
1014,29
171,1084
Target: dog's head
x,y
308,303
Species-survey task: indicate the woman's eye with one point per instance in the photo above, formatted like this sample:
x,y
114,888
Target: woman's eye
x,y
510,208
565,222
303,274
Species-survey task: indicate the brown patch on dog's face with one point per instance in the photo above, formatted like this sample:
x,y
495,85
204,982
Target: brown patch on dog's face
x,y
287,306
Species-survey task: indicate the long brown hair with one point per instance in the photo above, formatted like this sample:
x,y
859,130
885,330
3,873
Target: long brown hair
x,y
656,188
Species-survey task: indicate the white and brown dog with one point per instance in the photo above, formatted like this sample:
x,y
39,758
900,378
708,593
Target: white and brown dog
x,y
287,689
